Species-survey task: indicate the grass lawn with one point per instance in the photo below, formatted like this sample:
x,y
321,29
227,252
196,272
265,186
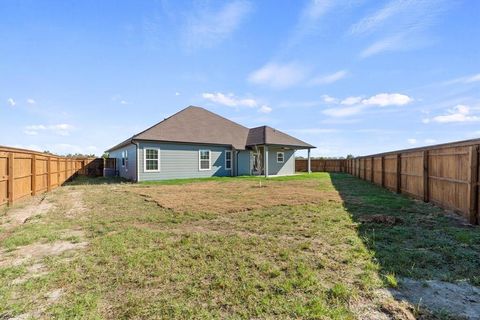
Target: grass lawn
x,y
304,246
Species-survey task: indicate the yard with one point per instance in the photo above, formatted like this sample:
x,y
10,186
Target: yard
x,y
314,246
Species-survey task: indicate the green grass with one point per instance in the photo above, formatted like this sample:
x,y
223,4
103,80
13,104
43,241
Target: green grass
x,y
426,244
311,261
296,177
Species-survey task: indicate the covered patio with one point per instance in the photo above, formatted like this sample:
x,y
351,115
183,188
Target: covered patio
x,y
273,152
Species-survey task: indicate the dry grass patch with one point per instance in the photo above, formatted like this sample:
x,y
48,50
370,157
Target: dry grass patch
x,y
236,196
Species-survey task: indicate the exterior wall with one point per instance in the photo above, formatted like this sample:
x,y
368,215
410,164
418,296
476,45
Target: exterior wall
x,y
285,168
179,161
130,170
244,163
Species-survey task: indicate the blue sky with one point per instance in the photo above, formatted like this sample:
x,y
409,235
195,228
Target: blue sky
x,y
351,77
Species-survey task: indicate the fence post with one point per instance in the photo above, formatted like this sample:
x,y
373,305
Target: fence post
x,y
58,172
473,184
364,168
399,173
383,171
49,173
426,187
11,178
478,184
372,175
34,174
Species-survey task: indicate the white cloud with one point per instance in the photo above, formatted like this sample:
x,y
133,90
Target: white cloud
x,y
279,75
343,112
31,101
473,78
357,104
401,25
123,102
378,18
465,80
310,18
177,93
412,141
11,102
430,141
265,109
329,78
459,113
229,100
351,101
388,99
62,129
327,99
390,43
205,27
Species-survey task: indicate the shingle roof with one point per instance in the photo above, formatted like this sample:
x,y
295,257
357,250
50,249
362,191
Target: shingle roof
x,y
198,125
270,136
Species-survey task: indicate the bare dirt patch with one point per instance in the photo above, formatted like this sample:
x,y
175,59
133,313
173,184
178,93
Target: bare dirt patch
x,y
458,299
21,215
37,251
75,200
35,270
225,197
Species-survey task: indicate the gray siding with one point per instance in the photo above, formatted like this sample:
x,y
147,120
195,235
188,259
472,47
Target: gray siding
x,y
130,170
244,165
179,161
285,168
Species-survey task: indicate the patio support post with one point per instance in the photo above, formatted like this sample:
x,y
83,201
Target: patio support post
x,y
309,163
265,161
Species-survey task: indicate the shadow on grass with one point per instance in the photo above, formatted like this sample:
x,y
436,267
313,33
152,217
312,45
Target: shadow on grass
x,y
85,180
416,239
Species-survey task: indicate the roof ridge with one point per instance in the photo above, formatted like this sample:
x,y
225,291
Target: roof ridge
x,y
165,119
218,116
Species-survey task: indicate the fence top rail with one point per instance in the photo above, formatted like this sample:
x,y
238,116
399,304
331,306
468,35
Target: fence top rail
x,y
463,143
19,150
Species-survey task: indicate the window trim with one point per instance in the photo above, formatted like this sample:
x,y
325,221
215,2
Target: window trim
x,y
145,160
123,159
283,156
200,160
231,159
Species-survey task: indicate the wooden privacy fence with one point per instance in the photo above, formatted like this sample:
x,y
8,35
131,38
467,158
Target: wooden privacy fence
x,y
318,165
26,173
446,175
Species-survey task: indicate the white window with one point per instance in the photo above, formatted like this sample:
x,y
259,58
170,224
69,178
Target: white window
x,y
204,160
228,160
123,158
151,160
280,157
126,160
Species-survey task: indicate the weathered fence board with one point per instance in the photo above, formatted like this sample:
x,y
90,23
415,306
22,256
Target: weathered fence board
x,y
24,173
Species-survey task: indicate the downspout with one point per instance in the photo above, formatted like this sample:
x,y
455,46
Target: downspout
x,y
137,175
236,163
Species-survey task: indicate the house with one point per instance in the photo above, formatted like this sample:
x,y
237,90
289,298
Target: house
x,y
195,143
